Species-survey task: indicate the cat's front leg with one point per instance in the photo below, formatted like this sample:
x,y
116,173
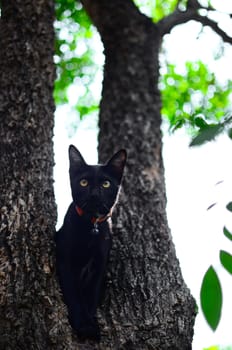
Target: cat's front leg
x,y
92,283
71,295
72,286
89,330
92,287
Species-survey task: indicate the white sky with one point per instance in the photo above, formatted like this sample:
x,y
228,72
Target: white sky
x,y
191,177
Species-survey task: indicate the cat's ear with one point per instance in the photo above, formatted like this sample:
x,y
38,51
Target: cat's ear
x,y
75,157
117,163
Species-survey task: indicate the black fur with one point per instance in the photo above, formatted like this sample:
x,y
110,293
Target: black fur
x,y
82,246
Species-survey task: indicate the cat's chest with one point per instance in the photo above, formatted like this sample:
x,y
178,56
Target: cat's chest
x,y
86,243
84,240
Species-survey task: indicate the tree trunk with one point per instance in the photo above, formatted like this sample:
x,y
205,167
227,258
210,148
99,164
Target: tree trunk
x,y
31,312
148,305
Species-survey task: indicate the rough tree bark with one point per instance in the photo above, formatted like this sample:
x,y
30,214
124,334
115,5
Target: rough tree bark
x,y
31,311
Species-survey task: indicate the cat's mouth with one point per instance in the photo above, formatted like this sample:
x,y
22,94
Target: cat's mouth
x,y
95,209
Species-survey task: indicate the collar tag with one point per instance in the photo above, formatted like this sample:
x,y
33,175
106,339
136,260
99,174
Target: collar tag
x,y
95,230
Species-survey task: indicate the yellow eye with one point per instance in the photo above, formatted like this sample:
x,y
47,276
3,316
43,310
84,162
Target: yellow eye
x,y
106,184
84,182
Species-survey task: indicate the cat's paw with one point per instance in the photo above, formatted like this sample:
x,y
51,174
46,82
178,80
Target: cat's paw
x,y
91,332
85,327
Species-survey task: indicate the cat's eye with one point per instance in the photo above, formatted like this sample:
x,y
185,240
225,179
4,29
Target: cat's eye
x,y
84,182
106,184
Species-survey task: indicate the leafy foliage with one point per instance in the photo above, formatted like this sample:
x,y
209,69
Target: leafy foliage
x,y
74,56
194,99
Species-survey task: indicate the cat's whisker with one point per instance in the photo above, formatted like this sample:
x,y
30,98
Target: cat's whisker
x,y
83,206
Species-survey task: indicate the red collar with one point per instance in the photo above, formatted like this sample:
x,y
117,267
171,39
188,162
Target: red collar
x,y
94,220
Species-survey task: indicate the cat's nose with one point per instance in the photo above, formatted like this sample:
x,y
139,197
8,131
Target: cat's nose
x,y
94,194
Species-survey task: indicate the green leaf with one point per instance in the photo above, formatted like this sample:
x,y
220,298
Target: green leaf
x,y
226,260
230,133
227,233
229,206
207,134
211,298
200,122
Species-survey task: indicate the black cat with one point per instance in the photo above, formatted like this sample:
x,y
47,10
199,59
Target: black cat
x,y
83,242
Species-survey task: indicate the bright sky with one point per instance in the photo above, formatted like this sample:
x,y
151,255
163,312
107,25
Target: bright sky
x,y
191,177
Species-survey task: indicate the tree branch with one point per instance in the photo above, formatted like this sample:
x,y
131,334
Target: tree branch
x,y
191,13
213,25
177,17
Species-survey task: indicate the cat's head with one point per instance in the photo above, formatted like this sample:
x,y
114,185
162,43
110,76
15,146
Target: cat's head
x,y
95,187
